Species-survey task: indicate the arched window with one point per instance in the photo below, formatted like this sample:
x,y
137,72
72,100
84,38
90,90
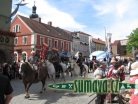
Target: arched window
x,y
16,56
24,56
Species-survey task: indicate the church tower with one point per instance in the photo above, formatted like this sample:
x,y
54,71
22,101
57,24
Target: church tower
x,y
35,16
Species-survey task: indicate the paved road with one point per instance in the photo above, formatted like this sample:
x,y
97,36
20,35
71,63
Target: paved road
x,y
47,97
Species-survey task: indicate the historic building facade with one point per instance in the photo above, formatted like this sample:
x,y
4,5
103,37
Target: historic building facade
x,y
119,47
80,43
98,45
6,37
31,33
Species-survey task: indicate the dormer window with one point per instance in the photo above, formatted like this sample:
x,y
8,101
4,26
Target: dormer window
x,y
16,28
15,41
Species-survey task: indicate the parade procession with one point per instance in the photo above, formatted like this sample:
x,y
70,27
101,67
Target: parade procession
x,y
57,62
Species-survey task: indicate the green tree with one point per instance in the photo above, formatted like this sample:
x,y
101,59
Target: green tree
x,y
132,41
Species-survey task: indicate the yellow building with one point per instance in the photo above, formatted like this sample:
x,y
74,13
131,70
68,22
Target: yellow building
x,y
6,37
99,45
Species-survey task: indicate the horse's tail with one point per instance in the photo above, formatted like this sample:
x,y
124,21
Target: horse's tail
x,y
86,71
67,72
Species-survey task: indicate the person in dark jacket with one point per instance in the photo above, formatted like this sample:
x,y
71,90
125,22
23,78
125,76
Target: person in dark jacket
x,y
80,62
6,89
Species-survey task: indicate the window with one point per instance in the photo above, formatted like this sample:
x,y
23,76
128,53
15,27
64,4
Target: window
x,y
7,40
67,47
24,56
56,44
15,57
1,39
81,48
16,28
41,40
49,43
25,40
62,45
15,41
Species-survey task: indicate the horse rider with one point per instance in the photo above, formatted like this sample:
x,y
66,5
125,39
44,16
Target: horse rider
x,y
100,74
80,62
55,59
33,60
56,63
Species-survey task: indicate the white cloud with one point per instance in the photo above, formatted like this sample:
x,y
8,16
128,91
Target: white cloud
x,y
58,18
119,17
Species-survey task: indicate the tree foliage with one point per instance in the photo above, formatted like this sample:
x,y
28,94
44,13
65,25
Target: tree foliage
x,y
132,41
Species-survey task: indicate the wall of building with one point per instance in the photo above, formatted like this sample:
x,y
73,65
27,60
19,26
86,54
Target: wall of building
x,y
33,40
114,49
100,47
6,48
5,11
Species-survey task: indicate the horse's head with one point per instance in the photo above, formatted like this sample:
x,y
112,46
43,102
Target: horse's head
x,y
25,66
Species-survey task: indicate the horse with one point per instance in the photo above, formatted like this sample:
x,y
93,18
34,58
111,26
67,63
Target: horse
x,y
64,67
28,76
76,71
51,70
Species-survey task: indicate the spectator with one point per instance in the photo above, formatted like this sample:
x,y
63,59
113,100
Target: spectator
x,y
1,68
5,89
8,70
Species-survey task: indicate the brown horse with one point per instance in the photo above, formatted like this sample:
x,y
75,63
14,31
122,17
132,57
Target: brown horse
x,y
28,76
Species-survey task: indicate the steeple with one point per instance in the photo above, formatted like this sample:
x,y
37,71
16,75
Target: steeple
x,y
33,15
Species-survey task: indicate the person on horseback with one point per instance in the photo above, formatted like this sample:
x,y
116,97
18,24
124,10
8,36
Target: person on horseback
x,y
56,62
33,60
55,59
80,62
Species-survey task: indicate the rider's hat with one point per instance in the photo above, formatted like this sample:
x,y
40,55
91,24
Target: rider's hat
x,y
32,52
54,50
80,53
134,69
113,61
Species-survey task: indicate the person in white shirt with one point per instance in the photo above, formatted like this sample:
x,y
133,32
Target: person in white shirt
x,y
134,80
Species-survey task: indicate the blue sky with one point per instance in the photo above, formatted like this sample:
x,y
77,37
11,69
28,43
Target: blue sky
x,y
119,17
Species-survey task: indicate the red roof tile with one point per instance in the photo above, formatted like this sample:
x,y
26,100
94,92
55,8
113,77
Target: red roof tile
x,y
45,29
98,41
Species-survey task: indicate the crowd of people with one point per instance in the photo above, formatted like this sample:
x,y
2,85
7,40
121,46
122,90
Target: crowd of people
x,y
11,70
116,70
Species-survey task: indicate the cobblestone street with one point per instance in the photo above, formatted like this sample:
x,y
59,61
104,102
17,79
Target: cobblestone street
x,y
47,97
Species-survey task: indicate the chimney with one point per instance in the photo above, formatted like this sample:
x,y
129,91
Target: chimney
x,y
50,23
38,19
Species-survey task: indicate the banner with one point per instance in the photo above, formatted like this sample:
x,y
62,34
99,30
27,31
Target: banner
x,y
43,51
109,41
108,48
93,86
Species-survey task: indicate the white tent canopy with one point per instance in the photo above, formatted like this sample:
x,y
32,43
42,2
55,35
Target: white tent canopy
x,y
100,55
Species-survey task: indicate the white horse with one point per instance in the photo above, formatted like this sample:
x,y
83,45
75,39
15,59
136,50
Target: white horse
x,y
76,71
64,67
51,70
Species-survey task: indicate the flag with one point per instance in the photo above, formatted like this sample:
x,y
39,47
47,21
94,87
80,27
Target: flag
x,y
43,51
15,11
108,48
